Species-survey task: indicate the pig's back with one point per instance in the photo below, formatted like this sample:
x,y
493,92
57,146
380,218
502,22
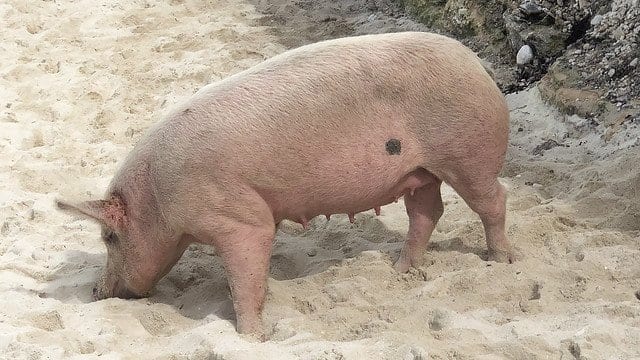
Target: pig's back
x,y
328,111
327,94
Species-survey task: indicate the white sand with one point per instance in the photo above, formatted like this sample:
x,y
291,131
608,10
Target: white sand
x,y
80,80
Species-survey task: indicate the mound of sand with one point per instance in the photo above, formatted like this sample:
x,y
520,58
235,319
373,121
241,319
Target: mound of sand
x,y
80,80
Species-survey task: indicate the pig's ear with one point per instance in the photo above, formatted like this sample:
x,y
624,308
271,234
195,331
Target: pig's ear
x,y
110,213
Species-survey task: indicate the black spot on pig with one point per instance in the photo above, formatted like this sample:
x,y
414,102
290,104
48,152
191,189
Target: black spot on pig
x,y
393,147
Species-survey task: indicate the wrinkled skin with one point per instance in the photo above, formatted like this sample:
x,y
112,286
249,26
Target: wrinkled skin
x,y
341,126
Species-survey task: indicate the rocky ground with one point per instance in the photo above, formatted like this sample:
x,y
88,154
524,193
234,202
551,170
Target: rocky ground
x,y
585,52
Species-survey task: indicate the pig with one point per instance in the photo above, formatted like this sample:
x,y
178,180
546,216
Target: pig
x,y
339,126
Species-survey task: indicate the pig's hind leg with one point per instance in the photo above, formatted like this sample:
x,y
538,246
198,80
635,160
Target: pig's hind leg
x,y
487,197
424,207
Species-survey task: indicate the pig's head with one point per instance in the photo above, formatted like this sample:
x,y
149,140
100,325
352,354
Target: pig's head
x,y
136,257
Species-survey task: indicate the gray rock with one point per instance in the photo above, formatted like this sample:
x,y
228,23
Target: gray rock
x,y
530,8
584,4
514,28
548,41
525,55
596,20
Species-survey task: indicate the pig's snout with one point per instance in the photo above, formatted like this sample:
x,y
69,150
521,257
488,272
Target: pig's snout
x,y
118,290
98,294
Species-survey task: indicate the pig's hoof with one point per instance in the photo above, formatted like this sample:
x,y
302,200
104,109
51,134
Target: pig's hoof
x,y
257,336
402,265
502,256
252,332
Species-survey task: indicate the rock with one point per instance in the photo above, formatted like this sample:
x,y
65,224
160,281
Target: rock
x,y
596,20
525,55
634,62
584,4
546,145
611,72
514,28
530,8
618,34
548,41
559,88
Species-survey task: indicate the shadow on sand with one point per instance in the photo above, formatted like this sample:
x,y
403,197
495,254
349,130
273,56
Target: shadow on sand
x,y
197,287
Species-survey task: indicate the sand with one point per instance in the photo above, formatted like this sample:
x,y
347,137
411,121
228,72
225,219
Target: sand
x,y
79,82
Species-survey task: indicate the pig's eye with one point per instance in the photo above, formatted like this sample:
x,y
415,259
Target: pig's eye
x,y
110,237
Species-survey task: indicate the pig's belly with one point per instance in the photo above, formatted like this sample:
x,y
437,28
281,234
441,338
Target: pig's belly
x,y
344,195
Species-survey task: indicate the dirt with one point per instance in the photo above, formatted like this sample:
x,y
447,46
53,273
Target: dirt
x,y
79,83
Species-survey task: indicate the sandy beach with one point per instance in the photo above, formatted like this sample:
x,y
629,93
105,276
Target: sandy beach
x,y
81,80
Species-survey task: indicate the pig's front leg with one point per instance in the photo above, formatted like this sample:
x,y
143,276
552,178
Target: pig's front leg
x,y
245,253
243,237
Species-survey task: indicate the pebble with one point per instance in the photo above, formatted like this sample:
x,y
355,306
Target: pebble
x,y
634,62
525,55
611,72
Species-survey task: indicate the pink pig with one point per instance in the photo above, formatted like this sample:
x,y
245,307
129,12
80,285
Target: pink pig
x,y
340,126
